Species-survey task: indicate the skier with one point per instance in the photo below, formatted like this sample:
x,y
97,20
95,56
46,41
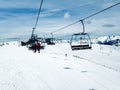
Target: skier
x,y
34,47
38,45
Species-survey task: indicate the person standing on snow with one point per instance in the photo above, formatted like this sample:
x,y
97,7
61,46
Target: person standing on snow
x,y
38,45
34,47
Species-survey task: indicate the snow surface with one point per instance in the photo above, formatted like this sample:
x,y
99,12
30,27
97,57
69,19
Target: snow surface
x,y
57,67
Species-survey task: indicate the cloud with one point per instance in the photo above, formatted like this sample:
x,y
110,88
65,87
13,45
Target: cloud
x,y
19,3
6,13
17,17
49,12
88,21
104,26
66,15
108,4
109,25
17,11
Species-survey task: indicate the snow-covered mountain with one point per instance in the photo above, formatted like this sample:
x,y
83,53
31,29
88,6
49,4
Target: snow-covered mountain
x,y
108,40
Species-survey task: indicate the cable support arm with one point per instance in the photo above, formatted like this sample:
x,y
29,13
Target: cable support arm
x,y
37,17
83,26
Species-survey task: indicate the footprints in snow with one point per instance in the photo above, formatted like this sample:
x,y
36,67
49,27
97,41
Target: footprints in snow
x,y
67,68
83,71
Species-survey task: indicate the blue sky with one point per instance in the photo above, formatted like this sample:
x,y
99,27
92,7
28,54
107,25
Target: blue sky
x,y
17,17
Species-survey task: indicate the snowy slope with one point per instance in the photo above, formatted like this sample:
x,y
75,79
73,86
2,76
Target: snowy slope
x,y
96,69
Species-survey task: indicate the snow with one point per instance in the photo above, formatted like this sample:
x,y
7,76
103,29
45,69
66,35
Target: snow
x,y
103,39
57,67
108,40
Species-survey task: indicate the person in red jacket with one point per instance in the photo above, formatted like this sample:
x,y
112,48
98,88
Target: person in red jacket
x,y
38,45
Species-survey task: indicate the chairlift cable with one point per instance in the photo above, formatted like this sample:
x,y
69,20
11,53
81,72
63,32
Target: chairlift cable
x,y
81,20
37,17
101,11
65,26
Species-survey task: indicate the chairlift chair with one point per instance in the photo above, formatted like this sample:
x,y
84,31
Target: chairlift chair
x,y
50,41
36,39
80,40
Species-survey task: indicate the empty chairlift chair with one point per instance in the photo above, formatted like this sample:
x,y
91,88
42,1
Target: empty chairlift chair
x,y
50,41
80,41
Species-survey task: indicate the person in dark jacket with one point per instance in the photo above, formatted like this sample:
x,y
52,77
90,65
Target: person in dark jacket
x,y
34,47
38,45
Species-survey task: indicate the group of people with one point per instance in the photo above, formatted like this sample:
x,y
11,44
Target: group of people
x,y
36,47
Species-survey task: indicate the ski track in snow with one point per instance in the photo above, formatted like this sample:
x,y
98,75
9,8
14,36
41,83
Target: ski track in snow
x,y
59,68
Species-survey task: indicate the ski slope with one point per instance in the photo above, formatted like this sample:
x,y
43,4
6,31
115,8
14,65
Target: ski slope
x,y
58,68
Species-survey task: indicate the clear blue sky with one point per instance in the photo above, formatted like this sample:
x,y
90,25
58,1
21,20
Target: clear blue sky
x,y
17,17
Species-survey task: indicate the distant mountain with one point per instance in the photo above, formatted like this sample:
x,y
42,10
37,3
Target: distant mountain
x,y
108,40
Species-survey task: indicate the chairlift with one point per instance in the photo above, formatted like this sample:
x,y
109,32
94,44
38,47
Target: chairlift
x,y
50,41
80,41
34,39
